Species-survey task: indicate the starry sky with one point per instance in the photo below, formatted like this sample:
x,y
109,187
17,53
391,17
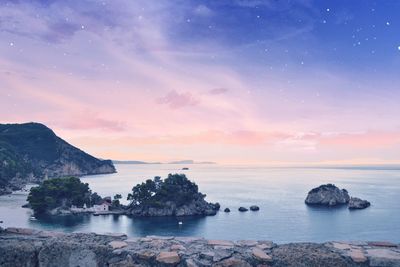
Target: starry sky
x,y
231,81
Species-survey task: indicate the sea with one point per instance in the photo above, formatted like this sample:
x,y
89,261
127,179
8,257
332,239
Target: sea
x,y
279,192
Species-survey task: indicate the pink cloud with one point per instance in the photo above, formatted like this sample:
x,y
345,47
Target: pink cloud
x,y
176,100
372,139
218,91
356,140
88,120
241,138
89,123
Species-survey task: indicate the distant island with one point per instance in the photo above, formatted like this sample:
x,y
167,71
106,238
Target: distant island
x,y
133,162
31,153
171,162
191,162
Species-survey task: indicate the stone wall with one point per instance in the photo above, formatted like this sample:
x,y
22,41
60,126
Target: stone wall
x,y
28,247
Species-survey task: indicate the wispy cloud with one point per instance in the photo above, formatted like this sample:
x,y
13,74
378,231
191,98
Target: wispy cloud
x,y
218,91
176,100
87,120
243,79
203,10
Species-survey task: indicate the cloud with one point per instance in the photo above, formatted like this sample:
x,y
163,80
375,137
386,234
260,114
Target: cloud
x,y
253,3
272,4
236,138
311,141
57,21
218,91
369,139
176,100
299,141
93,122
204,11
158,25
138,51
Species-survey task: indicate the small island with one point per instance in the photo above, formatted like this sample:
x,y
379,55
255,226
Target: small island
x,y
63,196
330,195
175,195
327,195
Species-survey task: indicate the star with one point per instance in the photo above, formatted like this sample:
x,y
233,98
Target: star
x,y
11,44
388,23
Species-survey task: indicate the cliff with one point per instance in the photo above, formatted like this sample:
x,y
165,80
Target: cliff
x,y
30,152
27,247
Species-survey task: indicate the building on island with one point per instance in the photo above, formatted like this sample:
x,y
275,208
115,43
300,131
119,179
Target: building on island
x,y
105,206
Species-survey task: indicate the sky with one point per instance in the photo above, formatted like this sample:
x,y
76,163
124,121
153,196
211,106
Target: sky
x,y
230,81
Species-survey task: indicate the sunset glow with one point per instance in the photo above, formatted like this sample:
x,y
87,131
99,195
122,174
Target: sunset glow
x,y
246,81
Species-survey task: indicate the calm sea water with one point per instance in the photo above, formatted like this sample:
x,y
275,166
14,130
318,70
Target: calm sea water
x,y
280,193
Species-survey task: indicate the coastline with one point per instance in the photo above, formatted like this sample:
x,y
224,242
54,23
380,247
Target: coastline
x,y
29,247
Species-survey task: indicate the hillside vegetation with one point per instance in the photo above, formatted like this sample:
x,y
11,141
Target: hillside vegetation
x,y
30,152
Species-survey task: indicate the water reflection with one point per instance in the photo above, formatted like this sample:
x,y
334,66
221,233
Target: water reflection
x,y
69,222
167,226
133,226
321,208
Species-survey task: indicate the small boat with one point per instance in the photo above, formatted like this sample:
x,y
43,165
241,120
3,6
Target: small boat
x,y
180,223
185,169
32,218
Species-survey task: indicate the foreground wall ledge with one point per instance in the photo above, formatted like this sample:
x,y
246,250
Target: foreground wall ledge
x,y
29,247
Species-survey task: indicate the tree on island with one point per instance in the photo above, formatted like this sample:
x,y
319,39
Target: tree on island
x,y
60,192
95,199
176,195
176,188
116,203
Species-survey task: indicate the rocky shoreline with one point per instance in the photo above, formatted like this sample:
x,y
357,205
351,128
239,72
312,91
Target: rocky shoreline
x,y
28,247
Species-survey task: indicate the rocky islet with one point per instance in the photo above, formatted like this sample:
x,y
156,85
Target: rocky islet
x,y
330,195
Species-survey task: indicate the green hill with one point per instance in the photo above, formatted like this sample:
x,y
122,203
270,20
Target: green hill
x,y
31,152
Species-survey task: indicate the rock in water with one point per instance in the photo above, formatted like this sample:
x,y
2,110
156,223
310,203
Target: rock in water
x,y
242,209
357,203
254,208
327,195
